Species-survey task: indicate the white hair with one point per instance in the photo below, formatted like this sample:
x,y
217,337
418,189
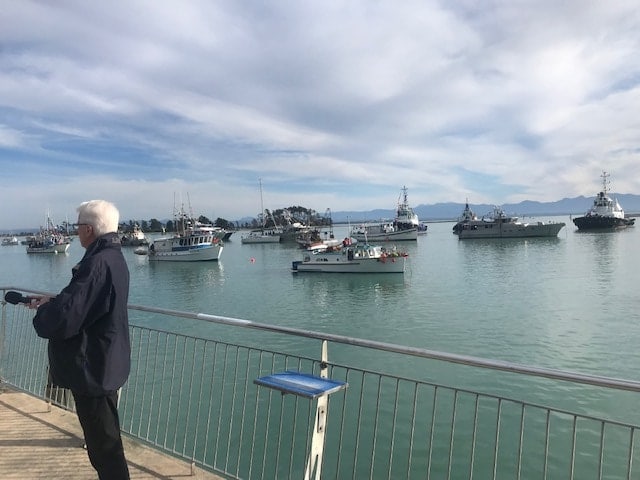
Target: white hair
x,y
103,216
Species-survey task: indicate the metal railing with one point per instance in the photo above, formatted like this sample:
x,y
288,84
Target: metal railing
x,y
191,394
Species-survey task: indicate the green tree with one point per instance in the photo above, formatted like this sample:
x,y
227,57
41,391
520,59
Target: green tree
x,y
155,225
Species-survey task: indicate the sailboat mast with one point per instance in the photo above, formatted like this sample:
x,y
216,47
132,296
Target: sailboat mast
x,y
261,204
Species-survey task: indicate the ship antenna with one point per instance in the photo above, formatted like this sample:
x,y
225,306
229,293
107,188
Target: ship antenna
x,y
605,182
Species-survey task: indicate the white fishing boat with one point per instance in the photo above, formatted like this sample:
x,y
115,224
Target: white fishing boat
x,y
359,258
500,225
193,242
405,226
134,238
605,213
48,240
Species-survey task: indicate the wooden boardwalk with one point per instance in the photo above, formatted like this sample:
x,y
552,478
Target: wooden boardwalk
x,y
41,443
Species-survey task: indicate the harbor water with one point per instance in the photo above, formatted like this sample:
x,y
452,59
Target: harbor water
x,y
567,303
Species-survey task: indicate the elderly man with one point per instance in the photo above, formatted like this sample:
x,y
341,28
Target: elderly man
x,y
88,331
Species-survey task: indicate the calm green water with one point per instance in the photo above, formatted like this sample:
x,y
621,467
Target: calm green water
x,y
567,303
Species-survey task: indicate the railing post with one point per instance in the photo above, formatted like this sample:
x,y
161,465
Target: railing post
x,y
314,388
319,427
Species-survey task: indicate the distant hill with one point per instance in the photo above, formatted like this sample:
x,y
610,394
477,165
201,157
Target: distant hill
x,y
450,211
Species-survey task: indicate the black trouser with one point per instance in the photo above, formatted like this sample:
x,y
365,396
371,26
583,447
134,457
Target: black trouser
x,y
101,426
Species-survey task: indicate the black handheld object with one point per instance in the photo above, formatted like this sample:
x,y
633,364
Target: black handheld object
x,y
16,297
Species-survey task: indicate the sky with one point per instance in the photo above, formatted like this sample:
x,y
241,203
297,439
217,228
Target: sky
x,y
334,105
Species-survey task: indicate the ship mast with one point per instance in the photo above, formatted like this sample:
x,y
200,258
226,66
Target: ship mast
x,y
605,182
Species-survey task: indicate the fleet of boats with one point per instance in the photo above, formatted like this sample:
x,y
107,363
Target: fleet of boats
x,y
360,252
605,213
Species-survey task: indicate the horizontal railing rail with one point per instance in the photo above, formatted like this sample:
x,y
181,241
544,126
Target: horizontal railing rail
x,y
191,393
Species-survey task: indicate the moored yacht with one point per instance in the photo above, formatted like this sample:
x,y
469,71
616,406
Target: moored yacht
x,y
500,225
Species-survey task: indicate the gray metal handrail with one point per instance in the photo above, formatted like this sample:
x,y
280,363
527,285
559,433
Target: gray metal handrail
x,y
472,361
195,398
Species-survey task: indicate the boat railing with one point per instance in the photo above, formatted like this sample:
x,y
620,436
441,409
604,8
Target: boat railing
x,y
408,412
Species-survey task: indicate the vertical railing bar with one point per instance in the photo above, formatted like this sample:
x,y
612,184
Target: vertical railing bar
x,y
124,405
24,356
153,383
630,457
453,431
222,389
199,409
376,423
29,378
3,336
165,356
601,452
413,427
191,383
234,391
211,387
546,444
266,431
497,439
358,423
342,422
180,395
144,385
295,423
244,409
138,341
393,426
255,415
573,447
474,435
431,431
520,443
171,383
279,437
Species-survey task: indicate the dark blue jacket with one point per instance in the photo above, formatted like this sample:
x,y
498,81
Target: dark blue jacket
x,y
87,323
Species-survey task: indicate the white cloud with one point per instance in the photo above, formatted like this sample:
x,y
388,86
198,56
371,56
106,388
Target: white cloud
x,y
335,105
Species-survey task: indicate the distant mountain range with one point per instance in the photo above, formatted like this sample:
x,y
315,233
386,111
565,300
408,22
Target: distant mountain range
x,y
450,211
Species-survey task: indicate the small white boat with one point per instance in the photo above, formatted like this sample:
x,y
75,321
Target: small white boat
x,y
10,241
193,242
262,236
360,258
500,225
134,238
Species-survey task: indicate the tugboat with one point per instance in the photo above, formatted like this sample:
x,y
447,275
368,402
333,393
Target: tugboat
x,y
605,214
405,226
